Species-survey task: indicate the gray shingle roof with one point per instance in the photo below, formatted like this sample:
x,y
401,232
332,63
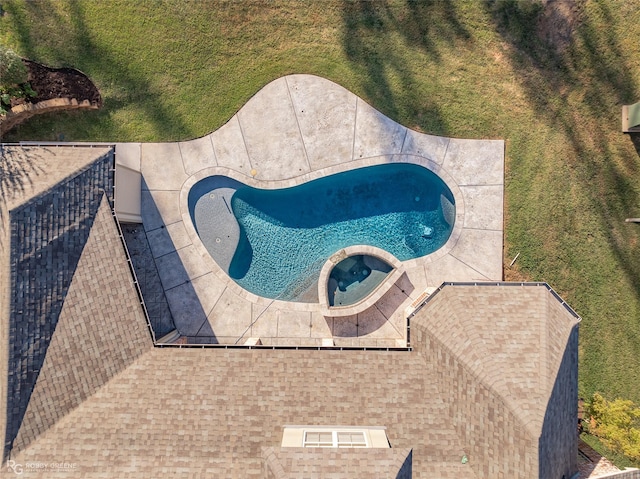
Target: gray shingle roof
x,y
100,331
212,411
30,171
337,463
49,201
492,377
512,338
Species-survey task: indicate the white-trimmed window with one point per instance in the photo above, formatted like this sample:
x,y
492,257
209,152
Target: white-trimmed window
x,y
335,436
335,439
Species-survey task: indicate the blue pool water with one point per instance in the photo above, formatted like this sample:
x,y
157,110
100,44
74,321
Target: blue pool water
x,y
283,237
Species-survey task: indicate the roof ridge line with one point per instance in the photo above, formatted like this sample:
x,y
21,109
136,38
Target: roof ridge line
x,y
25,433
490,386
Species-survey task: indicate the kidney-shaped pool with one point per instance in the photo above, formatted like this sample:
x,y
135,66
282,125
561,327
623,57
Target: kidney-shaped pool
x,y
274,242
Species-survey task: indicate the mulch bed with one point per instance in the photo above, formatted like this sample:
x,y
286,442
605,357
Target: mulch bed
x,y
50,83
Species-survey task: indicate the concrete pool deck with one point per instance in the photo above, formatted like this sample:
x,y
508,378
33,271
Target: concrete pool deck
x,y
299,128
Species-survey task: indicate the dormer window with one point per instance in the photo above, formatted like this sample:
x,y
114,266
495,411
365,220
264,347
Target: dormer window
x,y
334,436
335,439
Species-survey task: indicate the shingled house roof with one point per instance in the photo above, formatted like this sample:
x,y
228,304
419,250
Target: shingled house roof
x,y
487,390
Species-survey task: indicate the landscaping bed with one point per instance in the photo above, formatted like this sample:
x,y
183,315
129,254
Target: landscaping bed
x,y
50,83
56,89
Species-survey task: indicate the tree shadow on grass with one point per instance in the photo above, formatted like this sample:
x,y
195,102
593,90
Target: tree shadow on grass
x,y
81,51
369,32
549,74
576,88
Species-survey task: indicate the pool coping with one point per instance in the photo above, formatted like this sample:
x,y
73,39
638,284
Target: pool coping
x,y
293,131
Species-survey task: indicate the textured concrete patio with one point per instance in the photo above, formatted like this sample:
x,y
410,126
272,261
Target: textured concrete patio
x,y
296,129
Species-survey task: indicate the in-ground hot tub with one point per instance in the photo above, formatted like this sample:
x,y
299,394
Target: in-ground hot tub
x,y
274,242
355,278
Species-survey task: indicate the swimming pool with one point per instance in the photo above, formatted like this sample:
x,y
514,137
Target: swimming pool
x,y
274,242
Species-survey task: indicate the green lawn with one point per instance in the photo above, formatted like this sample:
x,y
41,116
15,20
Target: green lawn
x,y
476,69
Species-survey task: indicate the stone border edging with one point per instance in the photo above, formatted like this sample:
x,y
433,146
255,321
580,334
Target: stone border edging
x,y
23,112
20,113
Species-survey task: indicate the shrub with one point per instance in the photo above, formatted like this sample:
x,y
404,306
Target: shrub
x,y
616,423
13,79
12,71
